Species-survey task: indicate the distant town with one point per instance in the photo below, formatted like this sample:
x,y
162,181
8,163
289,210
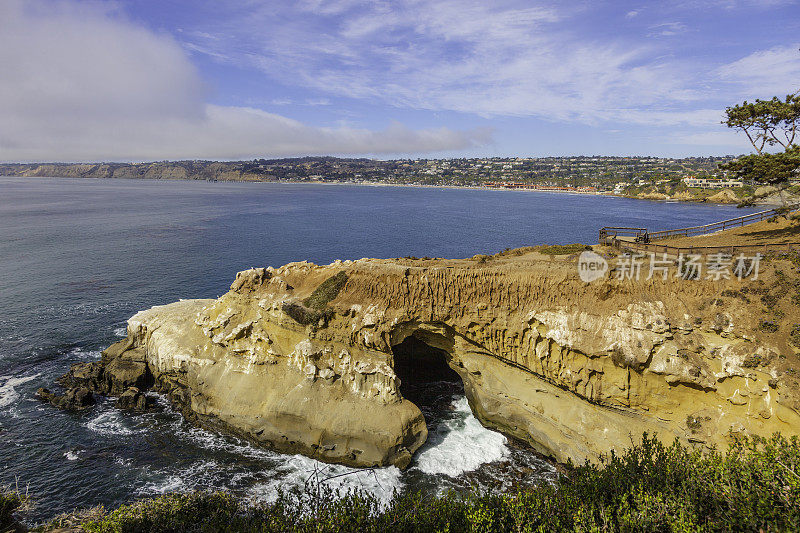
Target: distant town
x,y
580,173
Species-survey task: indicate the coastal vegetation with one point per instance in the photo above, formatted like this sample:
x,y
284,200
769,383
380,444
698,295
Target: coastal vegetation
x,y
754,485
554,249
326,292
767,124
11,501
563,249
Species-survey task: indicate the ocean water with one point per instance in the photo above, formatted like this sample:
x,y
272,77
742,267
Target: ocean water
x,y
79,257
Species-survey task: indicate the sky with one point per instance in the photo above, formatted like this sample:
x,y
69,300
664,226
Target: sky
x,y
144,80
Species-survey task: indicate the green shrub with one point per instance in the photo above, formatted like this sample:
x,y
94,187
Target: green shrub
x,y
651,487
768,325
563,249
514,252
326,292
304,315
11,501
795,335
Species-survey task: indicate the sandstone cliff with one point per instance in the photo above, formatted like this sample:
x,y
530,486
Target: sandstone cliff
x,y
301,358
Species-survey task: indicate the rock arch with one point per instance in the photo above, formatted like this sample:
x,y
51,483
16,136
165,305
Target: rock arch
x,y
426,371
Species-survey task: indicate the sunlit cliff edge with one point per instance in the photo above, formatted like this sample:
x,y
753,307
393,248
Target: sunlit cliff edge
x,y
300,358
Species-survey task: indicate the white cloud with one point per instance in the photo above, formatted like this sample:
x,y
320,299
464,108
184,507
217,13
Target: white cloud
x,y
80,82
734,4
668,29
765,73
471,56
722,138
656,117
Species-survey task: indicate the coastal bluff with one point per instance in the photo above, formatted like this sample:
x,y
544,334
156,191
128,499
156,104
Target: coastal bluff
x,y
304,358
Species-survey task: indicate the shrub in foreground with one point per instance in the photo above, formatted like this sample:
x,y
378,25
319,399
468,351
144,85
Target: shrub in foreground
x,y
10,502
755,486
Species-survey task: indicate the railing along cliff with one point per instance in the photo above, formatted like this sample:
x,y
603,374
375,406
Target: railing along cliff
x,y
639,239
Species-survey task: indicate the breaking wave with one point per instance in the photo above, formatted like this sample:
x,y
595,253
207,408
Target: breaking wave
x,y
460,444
278,473
79,354
297,473
8,391
111,423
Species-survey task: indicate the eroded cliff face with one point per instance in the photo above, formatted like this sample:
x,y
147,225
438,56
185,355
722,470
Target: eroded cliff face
x,y
300,359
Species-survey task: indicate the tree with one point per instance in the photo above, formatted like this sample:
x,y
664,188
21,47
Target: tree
x,y
767,123
766,168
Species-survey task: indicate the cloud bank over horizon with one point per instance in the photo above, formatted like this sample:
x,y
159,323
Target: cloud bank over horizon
x,y
83,83
125,80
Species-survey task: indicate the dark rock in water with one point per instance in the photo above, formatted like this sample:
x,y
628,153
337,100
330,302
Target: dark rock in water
x,y
89,375
135,400
74,398
122,373
116,349
119,369
123,367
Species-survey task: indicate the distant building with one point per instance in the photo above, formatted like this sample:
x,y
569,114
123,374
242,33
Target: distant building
x,y
711,183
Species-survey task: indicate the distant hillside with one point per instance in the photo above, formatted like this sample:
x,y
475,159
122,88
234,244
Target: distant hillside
x,y
602,172
192,170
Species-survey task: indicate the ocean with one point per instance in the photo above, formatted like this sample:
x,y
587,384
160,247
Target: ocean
x,y
78,257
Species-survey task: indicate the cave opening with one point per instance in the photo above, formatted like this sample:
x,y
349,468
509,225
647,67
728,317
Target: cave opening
x,y
426,379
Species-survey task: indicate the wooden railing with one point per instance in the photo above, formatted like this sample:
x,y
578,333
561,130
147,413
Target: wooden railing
x,y
718,226
751,249
609,234
639,239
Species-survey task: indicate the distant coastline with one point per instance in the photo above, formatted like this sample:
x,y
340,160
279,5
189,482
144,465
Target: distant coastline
x,y
607,194
643,178
601,172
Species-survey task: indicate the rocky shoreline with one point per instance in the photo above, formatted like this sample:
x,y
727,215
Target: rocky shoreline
x,y
765,195
303,358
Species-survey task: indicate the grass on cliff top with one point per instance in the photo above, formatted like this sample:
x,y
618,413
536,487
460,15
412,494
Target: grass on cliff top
x,y
754,486
554,249
326,292
563,249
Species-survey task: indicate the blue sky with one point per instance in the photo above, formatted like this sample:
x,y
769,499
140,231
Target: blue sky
x,y
218,79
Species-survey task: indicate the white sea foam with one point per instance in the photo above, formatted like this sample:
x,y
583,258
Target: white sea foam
x,y
8,391
111,424
295,471
79,354
72,455
286,472
121,332
127,462
460,445
199,475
